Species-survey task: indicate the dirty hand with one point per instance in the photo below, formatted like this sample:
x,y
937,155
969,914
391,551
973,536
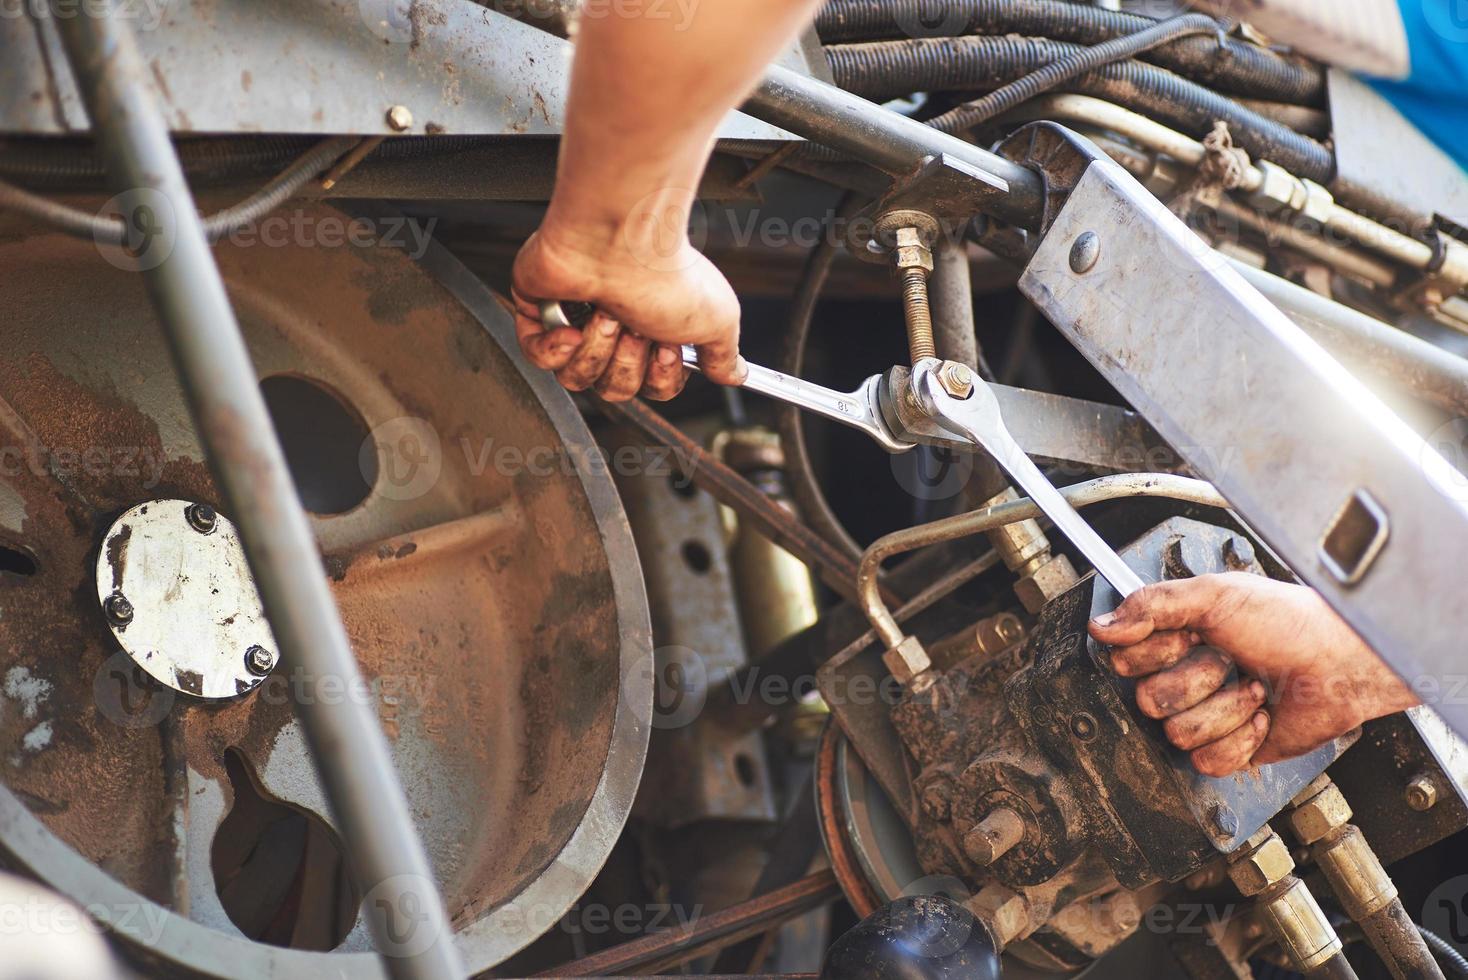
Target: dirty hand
x,y
653,291
1191,639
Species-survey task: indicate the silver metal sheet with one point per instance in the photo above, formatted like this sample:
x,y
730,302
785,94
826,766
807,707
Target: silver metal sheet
x,y
319,66
1261,410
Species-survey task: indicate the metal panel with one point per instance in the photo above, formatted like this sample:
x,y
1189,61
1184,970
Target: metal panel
x,y
1300,448
318,66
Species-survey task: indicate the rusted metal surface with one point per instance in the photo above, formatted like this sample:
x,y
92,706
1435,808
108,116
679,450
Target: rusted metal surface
x,y
498,639
712,932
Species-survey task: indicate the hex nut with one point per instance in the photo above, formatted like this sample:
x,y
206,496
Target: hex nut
x,y
912,252
1421,792
956,379
1318,203
1262,866
1238,553
1320,814
1050,580
907,660
1006,913
1278,189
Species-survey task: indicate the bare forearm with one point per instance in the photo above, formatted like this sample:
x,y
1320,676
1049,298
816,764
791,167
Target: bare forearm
x,y
647,96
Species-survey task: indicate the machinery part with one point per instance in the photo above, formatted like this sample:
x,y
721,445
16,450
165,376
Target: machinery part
x,y
471,611
387,859
1334,544
1445,951
886,69
1070,67
987,518
111,229
976,417
987,638
1261,870
711,933
192,620
925,937
1222,61
1320,819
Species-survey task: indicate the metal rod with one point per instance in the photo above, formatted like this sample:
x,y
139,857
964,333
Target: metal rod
x,y
713,932
986,518
885,139
350,753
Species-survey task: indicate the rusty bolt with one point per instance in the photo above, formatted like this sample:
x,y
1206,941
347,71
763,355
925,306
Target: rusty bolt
x,y
1326,810
259,661
907,660
117,609
201,518
956,379
1224,820
1238,553
1083,726
937,799
994,836
1421,792
400,118
1259,867
1084,252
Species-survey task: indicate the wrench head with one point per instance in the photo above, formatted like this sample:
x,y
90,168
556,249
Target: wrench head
x,y
975,418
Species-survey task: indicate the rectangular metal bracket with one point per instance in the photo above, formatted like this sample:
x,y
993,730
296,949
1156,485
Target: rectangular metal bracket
x,y
1260,409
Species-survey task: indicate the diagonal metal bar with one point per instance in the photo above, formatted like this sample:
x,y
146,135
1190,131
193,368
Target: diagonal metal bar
x,y
350,752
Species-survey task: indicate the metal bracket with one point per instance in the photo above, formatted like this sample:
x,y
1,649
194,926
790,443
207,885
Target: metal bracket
x,y
1255,406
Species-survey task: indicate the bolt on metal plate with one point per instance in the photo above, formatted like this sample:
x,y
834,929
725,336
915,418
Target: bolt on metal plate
x,y
177,594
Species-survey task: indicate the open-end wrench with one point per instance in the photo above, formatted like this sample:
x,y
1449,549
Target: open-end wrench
x,y
974,416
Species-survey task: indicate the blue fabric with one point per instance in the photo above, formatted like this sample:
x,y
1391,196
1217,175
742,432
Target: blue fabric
x,y
1435,95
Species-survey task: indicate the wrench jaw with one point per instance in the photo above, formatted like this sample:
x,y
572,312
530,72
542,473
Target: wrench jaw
x,y
974,419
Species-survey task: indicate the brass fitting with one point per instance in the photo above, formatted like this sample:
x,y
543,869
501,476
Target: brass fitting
x,y
986,638
994,836
1297,923
1355,873
1315,815
1263,861
907,661
1421,792
1049,580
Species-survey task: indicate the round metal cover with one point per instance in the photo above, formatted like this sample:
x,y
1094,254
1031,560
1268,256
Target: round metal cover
x,y
195,612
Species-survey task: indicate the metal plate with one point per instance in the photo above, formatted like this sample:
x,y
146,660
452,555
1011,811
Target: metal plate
x,y
195,614
320,66
1264,413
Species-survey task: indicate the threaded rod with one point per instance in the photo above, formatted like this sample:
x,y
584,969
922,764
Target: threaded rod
x,y
919,317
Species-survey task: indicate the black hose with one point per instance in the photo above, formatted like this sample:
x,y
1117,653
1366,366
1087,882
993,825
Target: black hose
x,y
109,230
887,69
1224,63
1068,68
1447,955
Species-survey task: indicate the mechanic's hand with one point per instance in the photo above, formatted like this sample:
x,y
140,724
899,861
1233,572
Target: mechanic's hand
x,y
1185,637
652,290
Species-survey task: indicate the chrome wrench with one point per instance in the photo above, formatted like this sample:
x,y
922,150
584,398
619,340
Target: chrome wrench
x,y
975,417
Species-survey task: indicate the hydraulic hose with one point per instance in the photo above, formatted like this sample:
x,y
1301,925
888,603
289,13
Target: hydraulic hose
x,y
886,69
1447,954
1224,63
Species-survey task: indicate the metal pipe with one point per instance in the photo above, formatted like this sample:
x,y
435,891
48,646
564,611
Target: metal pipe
x,y
350,753
885,139
987,518
1428,371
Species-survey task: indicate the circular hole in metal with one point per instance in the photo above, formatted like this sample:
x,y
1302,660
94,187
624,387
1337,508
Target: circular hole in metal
x,y
322,437
278,870
17,561
697,557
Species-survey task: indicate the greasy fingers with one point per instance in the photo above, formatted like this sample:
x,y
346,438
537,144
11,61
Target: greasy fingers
x,y
1216,716
624,374
666,374
598,343
1184,685
1235,750
549,349
1157,651
1176,605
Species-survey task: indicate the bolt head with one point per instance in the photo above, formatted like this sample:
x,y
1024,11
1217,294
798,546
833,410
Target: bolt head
x,y
1083,726
259,661
1238,553
201,518
1421,792
1224,820
118,610
399,118
907,661
956,379
1084,252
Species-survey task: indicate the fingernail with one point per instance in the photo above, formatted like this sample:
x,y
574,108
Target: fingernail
x,y
1119,665
562,348
1105,619
1261,722
608,328
666,356
1257,689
